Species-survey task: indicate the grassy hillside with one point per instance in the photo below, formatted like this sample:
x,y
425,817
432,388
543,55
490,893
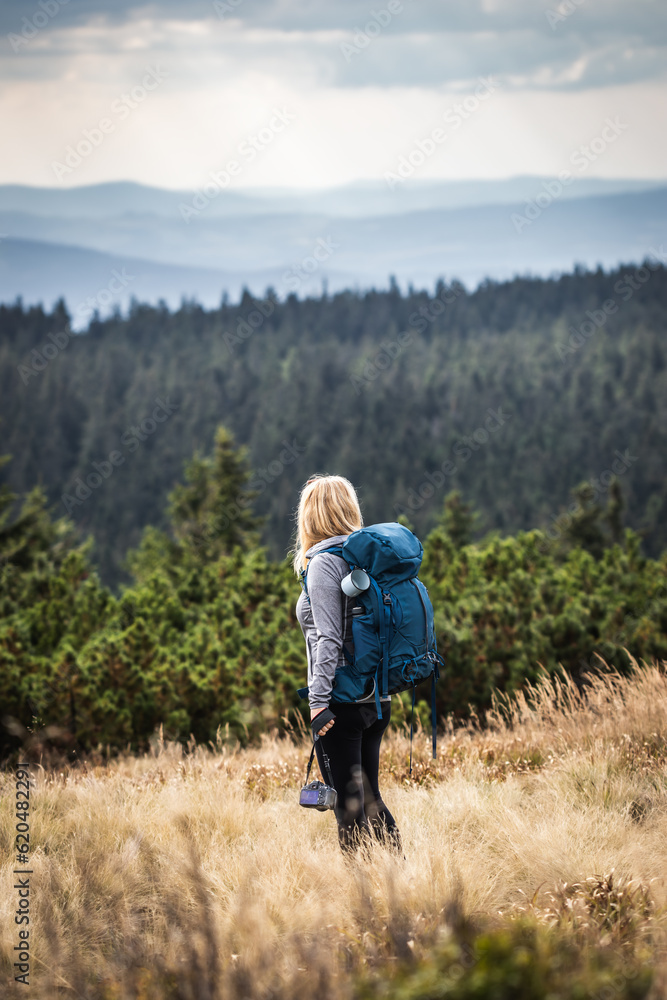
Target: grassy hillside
x,y
535,865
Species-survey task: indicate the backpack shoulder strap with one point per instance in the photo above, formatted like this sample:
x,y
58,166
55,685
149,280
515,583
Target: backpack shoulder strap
x,y
337,551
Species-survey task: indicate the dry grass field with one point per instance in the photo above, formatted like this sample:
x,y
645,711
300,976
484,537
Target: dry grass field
x,y
537,842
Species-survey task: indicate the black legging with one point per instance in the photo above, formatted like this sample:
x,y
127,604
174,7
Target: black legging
x,y
351,749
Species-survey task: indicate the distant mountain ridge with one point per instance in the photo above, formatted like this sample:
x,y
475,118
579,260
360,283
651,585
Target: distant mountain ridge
x,y
69,242
360,199
90,280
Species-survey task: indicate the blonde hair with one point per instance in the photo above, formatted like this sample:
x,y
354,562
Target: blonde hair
x,y
328,505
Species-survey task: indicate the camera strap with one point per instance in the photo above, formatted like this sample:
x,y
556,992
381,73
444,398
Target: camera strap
x,y
326,764
310,763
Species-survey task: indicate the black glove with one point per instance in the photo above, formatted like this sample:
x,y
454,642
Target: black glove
x,y
321,720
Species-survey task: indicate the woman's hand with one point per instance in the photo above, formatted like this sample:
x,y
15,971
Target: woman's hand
x,y
326,726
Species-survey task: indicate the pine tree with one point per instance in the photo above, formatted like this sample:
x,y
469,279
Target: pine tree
x,y
614,512
583,529
210,515
32,536
458,519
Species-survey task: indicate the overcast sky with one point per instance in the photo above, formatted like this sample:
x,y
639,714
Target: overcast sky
x,y
315,94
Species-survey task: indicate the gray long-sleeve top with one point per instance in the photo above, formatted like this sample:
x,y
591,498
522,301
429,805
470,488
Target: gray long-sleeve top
x,y
325,620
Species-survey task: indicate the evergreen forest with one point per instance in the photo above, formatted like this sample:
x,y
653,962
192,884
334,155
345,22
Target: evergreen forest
x,y
151,468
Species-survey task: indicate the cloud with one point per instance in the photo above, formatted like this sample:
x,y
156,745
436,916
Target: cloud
x,y
644,18
362,53
363,95
524,59
352,44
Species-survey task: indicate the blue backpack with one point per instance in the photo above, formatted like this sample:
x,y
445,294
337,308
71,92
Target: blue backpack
x,y
395,646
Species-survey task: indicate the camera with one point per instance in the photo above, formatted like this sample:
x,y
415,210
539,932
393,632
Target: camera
x,y
317,795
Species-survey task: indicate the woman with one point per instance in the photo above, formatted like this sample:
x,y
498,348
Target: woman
x,y
348,747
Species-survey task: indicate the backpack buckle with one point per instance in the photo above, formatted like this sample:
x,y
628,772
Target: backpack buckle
x,y
386,598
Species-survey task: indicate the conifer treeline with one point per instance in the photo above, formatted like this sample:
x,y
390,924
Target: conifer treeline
x,y
513,394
